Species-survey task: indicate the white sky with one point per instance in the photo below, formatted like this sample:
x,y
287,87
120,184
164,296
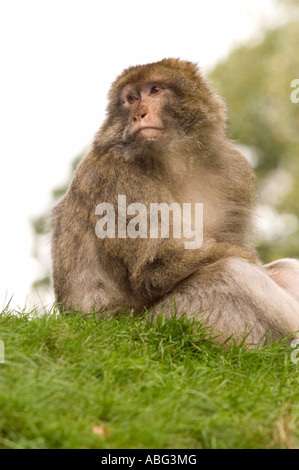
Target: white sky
x,y
58,58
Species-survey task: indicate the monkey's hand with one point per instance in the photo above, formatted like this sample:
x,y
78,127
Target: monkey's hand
x,y
155,276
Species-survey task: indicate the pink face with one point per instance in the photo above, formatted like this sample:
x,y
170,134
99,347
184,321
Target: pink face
x,y
145,104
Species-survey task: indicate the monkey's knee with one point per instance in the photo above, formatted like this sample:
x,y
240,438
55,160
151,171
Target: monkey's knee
x,y
236,297
285,272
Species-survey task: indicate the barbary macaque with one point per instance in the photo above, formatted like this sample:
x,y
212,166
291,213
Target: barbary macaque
x,y
164,145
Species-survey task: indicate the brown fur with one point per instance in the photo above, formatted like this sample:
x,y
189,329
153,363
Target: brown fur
x,y
189,160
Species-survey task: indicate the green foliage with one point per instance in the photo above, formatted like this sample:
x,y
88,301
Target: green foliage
x,y
77,382
43,282
40,227
256,83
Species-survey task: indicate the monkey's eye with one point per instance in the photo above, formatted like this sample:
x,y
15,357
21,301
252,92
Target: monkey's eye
x,y
131,99
155,89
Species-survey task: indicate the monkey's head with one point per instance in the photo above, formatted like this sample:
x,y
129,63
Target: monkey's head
x,y
154,104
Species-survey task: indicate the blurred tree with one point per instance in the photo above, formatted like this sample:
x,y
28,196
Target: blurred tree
x,y
256,83
41,238
255,80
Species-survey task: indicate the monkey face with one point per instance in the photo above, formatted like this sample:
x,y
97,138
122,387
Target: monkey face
x,y
154,107
144,109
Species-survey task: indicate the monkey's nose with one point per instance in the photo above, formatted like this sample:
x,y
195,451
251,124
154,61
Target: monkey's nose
x,y
140,114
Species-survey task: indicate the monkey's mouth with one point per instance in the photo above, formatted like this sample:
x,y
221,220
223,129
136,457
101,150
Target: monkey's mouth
x,y
148,132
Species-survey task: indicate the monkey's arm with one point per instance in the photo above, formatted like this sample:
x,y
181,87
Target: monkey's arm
x,y
156,274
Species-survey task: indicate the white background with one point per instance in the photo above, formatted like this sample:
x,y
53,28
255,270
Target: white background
x,y
58,58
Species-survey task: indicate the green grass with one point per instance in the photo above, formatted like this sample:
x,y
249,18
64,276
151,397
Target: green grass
x,y
77,382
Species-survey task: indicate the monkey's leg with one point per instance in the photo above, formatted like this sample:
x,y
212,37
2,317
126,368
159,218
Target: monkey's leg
x,y
285,272
88,289
235,297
